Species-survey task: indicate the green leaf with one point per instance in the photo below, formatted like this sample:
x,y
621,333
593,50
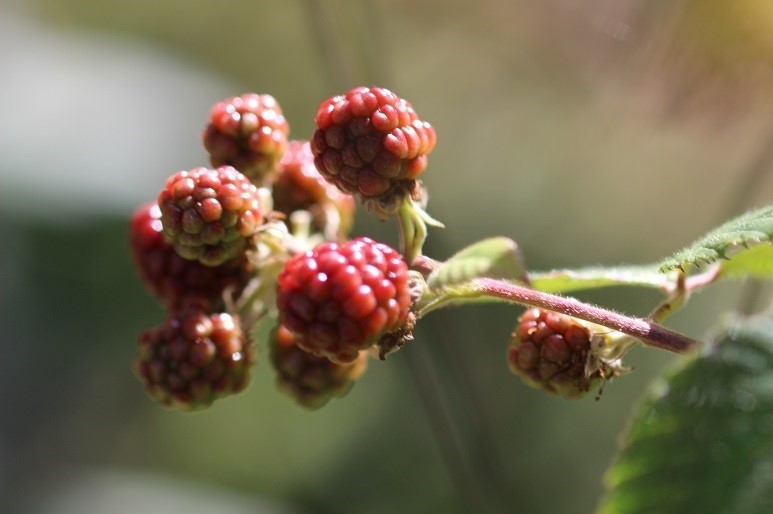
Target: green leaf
x,y
566,280
703,439
752,228
498,257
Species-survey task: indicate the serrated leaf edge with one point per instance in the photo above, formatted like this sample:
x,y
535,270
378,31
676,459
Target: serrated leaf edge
x,y
676,262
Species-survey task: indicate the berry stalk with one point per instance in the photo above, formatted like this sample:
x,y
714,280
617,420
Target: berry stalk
x,y
650,333
412,221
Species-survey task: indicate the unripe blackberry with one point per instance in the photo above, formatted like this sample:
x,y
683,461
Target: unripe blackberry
x,y
339,299
371,142
209,215
299,186
172,278
248,132
193,358
310,380
553,352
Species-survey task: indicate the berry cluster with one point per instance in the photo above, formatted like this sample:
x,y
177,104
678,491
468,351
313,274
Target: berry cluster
x,y
219,258
208,248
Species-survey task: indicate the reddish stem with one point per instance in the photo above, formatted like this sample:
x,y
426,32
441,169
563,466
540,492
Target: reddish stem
x,y
650,333
424,265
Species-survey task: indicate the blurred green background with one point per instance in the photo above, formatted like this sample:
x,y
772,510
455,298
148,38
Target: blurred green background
x,y
591,132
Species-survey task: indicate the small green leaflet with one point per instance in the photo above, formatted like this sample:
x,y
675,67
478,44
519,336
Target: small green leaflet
x,y
753,228
702,441
498,257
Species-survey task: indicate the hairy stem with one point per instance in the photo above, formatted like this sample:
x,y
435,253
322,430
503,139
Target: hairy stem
x,y
649,332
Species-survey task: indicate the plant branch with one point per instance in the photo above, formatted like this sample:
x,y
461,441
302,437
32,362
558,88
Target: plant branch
x,y
695,283
649,332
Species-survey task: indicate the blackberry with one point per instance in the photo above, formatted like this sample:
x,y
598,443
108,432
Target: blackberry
x,y
248,132
310,380
210,215
172,278
299,186
339,299
552,351
372,143
194,357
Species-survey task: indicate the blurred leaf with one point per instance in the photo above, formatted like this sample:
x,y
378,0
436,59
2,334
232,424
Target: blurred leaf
x,y
756,261
703,440
498,257
748,230
566,280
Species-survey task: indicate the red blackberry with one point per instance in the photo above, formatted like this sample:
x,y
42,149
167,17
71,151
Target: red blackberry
x,y
172,278
552,351
247,132
209,215
299,186
371,142
310,380
341,298
194,358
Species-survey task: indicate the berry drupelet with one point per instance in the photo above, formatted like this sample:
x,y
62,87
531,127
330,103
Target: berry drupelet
x,y
170,277
339,299
194,357
310,380
209,215
372,143
248,132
